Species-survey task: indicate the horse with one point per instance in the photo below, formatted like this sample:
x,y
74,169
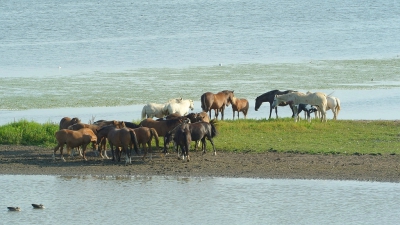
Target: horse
x,y
199,131
145,135
73,139
170,116
163,126
316,99
123,138
217,102
94,128
115,123
151,110
182,107
66,122
307,108
332,103
269,97
182,138
240,105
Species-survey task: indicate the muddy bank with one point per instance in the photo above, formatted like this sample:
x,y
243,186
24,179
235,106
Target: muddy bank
x,y
32,160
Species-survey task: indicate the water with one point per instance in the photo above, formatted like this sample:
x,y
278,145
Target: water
x,y
179,200
107,59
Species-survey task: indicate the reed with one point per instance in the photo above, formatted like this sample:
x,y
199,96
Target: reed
x,y
280,135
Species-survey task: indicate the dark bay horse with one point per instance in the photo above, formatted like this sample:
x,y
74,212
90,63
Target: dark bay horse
x,y
66,122
269,97
182,138
144,136
163,126
216,101
199,131
119,138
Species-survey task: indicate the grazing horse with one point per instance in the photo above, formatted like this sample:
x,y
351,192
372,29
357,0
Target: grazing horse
x,y
123,138
240,105
216,101
94,128
151,110
199,132
307,108
182,107
316,99
66,122
163,126
269,97
73,139
145,135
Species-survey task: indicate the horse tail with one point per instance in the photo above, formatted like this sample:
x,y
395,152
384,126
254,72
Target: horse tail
x,y
155,135
144,112
337,106
203,102
214,131
134,141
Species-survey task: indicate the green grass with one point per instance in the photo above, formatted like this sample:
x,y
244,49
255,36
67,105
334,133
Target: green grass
x,y
280,135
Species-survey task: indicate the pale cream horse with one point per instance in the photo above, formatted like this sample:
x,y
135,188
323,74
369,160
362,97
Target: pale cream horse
x,y
317,99
332,103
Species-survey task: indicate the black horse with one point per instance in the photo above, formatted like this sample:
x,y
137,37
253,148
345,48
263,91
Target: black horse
x,y
269,97
199,131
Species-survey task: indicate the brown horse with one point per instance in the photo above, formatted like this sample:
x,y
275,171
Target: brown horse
x,y
216,101
145,135
123,138
199,132
240,105
182,138
163,126
66,122
116,123
74,139
94,128
269,97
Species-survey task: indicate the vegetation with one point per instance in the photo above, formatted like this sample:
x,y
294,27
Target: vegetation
x,y
280,135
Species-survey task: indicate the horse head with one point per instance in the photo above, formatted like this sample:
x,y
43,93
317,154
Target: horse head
x,y
75,120
258,103
229,97
275,103
191,105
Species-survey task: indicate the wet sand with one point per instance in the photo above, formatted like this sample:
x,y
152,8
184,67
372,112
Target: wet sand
x,y
33,160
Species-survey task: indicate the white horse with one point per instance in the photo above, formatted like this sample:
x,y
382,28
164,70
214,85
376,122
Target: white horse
x,y
332,103
151,110
317,99
182,107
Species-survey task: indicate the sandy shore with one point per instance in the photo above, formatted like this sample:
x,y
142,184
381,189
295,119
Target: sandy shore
x,y
32,160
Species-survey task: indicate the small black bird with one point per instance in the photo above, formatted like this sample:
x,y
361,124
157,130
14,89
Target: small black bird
x,y
14,208
38,206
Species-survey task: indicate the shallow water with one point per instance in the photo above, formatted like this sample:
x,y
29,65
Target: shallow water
x,y
179,200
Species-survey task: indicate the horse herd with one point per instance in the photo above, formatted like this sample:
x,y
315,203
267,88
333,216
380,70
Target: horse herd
x,y
175,123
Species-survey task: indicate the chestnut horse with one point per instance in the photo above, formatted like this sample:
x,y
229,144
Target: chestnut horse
x,y
269,97
216,101
66,122
123,138
145,135
163,126
73,139
240,105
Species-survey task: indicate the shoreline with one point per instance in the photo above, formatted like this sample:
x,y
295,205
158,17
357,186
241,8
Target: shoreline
x,y
34,160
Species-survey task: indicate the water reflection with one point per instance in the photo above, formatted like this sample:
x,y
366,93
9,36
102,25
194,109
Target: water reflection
x,y
177,200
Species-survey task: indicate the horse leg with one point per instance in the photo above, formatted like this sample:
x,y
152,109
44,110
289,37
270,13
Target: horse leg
x,y
212,143
276,111
84,151
55,150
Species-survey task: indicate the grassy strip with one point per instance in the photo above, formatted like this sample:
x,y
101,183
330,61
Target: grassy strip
x,y
281,135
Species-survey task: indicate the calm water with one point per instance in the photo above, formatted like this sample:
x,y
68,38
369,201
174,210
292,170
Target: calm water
x,y
107,59
177,200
